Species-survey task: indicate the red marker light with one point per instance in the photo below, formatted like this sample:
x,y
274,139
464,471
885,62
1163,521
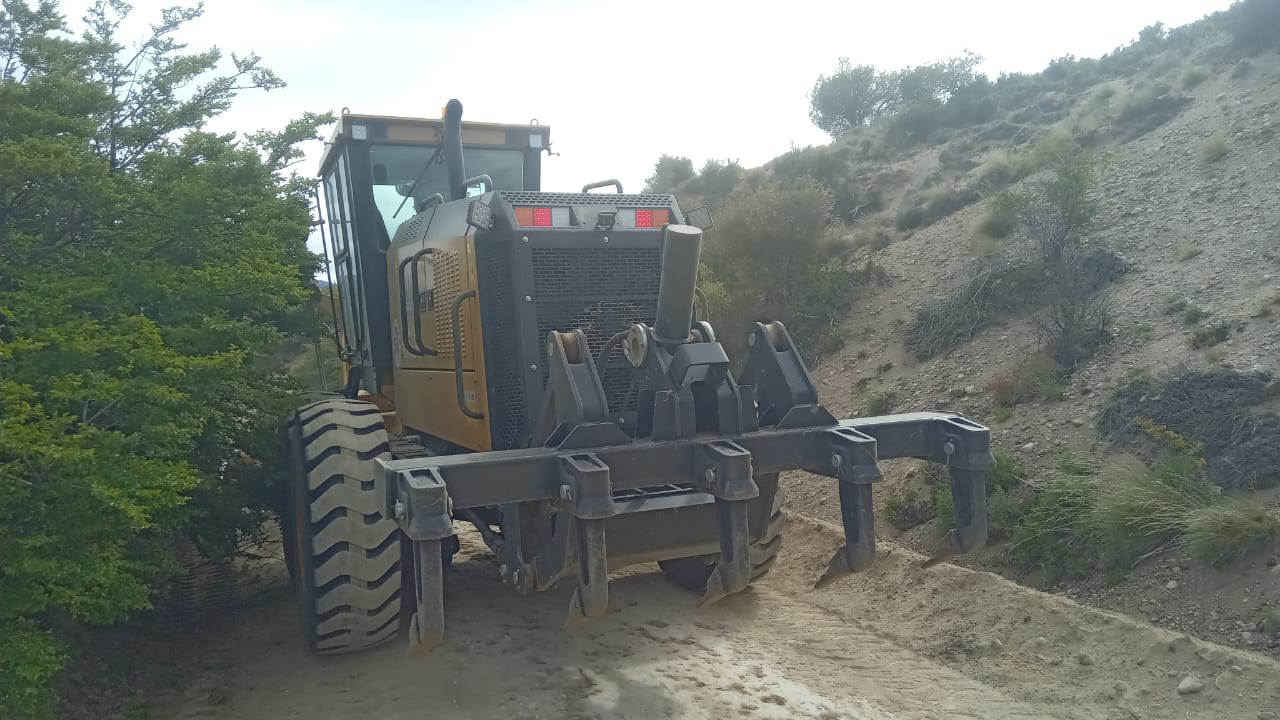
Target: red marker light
x,y
644,218
542,217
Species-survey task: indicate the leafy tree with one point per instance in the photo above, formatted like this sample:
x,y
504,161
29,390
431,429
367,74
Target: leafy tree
x,y
1248,22
147,270
860,95
715,182
767,259
669,173
850,97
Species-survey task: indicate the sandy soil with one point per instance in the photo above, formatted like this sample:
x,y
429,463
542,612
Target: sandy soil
x,y
893,643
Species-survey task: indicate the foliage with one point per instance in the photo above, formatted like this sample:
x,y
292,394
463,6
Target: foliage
x,y
1209,335
880,403
1219,534
1252,25
931,205
835,168
907,510
1147,108
669,173
766,255
1054,536
715,182
1038,377
999,219
854,96
1054,213
1088,519
1193,77
147,269
1005,503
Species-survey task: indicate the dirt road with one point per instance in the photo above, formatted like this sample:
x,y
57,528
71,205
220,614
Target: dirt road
x,y
894,643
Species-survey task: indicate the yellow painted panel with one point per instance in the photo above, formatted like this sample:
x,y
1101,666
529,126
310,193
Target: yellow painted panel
x,y
442,276
426,134
426,401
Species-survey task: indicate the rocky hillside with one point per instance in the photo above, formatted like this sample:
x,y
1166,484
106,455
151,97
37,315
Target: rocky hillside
x,y
1189,159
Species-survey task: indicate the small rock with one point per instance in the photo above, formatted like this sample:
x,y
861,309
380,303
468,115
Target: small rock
x,y
995,646
1189,685
1172,584
1268,715
1029,447
1227,680
1078,422
1246,637
970,389
912,472
1084,659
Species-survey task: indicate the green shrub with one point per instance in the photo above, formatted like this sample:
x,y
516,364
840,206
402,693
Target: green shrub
x,y
931,205
1193,77
944,506
1253,23
1055,536
907,510
1147,108
1038,377
880,403
1209,335
1221,533
1270,621
1174,305
999,170
796,282
875,234
999,219
1214,148
1191,314
1134,515
150,272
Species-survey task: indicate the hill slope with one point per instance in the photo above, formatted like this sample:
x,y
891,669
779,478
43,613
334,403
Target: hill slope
x,y
1188,198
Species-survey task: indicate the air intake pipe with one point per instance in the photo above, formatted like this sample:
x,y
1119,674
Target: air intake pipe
x,y
681,247
454,164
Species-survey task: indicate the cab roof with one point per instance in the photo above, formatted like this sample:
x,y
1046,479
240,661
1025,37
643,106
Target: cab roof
x,y
393,129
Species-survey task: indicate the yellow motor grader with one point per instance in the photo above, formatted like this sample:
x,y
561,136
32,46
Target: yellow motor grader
x,y
530,363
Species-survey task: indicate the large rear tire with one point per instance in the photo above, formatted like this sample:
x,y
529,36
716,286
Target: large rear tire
x,y
692,572
346,551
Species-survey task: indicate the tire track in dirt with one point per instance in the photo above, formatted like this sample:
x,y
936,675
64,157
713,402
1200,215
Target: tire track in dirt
x,y
893,643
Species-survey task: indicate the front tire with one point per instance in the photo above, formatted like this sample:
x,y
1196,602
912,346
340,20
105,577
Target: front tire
x,y
691,573
346,551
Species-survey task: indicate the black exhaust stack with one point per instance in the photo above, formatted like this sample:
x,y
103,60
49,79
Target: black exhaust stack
x,y
454,165
681,246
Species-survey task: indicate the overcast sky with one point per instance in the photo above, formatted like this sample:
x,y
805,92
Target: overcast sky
x,y
622,83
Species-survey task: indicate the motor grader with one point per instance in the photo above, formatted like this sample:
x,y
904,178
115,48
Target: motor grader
x,y
535,365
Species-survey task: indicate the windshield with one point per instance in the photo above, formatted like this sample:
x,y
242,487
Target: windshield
x,y
395,167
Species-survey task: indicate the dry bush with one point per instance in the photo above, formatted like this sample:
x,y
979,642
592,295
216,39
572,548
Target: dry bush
x,y
1215,408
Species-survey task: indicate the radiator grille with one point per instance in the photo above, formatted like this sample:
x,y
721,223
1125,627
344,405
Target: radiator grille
x,y
600,291
502,364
